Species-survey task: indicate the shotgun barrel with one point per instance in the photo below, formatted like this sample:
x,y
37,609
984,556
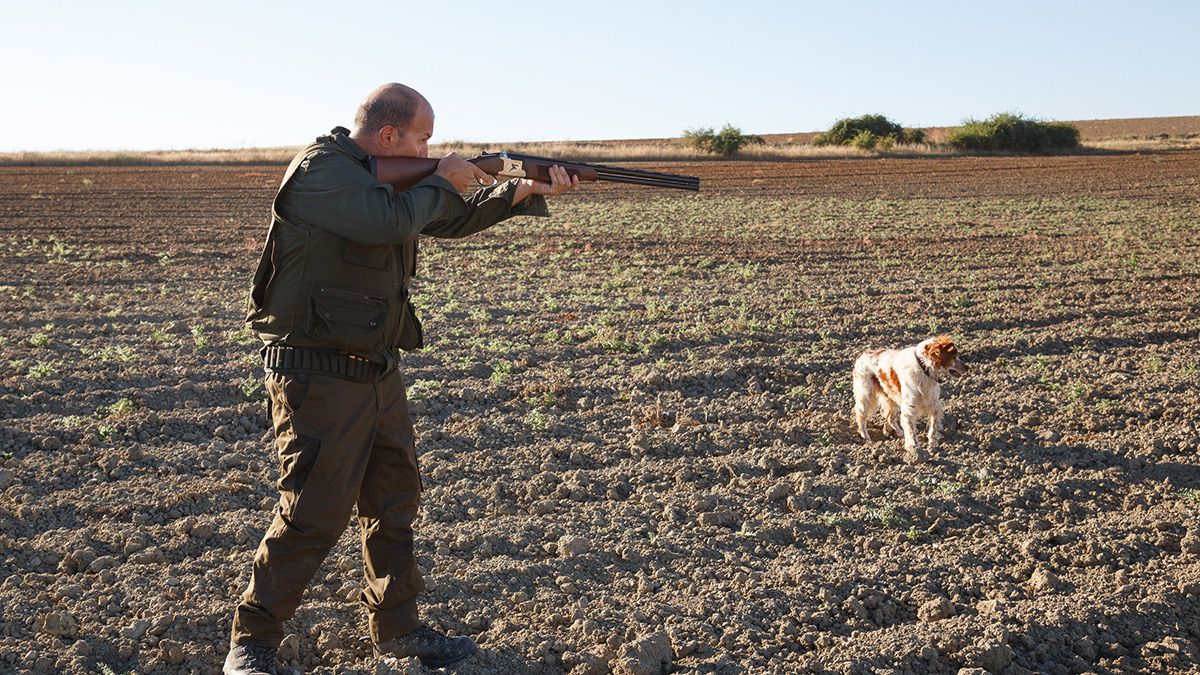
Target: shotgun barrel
x,y
404,172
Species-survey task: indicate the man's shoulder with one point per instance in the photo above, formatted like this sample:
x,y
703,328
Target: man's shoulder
x,y
335,143
327,158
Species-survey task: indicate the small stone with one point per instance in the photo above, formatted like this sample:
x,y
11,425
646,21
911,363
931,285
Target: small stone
x,y
1085,649
202,530
779,491
916,456
1190,542
289,648
102,563
722,517
569,546
1044,581
850,499
992,606
935,610
992,658
135,630
172,651
650,655
59,624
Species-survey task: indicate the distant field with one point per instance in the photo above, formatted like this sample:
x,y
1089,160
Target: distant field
x,y
1140,134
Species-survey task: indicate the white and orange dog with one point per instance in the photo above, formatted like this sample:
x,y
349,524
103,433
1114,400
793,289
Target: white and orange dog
x,y
905,385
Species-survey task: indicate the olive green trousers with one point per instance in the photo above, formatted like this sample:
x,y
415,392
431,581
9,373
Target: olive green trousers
x,y
341,444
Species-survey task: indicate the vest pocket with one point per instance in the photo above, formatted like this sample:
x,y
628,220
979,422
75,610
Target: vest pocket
x,y
348,318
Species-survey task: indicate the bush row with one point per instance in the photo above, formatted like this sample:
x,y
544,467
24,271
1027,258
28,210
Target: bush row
x,y
726,142
1009,131
1001,132
869,132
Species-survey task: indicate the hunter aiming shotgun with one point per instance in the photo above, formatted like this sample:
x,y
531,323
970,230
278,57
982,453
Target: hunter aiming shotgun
x,y
404,172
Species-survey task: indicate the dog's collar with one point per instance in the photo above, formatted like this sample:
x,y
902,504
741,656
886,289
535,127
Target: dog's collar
x,y
921,362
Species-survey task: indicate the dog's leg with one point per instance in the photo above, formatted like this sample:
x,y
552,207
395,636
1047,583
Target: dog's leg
x,y
864,406
935,427
908,422
891,417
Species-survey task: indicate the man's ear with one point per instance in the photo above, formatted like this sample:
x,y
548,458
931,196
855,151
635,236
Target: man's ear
x,y
388,135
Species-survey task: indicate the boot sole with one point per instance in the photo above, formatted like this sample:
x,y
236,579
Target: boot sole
x,y
442,663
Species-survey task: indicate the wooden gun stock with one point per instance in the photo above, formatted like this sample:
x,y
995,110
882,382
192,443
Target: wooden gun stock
x,y
404,172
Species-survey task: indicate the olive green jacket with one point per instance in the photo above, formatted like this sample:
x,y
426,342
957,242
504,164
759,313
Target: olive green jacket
x,y
342,247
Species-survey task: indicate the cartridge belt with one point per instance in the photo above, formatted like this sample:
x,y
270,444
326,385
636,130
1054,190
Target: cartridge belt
x,y
287,359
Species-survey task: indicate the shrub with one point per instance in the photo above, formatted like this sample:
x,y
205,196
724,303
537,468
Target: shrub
x,y
1015,133
726,142
864,140
868,132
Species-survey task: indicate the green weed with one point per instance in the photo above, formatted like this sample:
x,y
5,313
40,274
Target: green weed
x,y
199,337
887,516
119,353
501,371
40,371
422,389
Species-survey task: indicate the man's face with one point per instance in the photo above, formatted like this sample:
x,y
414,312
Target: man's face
x,y
411,142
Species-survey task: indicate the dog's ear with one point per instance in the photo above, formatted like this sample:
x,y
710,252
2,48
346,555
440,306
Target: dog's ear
x,y
941,351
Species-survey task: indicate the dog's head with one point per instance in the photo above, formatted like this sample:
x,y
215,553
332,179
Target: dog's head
x,y
942,355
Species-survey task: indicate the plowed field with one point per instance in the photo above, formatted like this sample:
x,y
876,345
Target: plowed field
x,y
635,427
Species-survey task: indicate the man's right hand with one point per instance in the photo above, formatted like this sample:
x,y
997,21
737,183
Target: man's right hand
x,y
462,174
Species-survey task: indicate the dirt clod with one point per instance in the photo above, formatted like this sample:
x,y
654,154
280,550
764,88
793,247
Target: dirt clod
x,y
935,610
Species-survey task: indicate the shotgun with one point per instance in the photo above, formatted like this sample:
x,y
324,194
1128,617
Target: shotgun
x,y
404,172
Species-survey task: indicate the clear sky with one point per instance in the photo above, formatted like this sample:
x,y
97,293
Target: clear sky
x,y
226,74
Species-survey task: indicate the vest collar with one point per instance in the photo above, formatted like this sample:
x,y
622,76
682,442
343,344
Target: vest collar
x,y
341,137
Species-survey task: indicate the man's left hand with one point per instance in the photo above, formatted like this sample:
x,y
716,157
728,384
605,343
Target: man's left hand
x,y
560,182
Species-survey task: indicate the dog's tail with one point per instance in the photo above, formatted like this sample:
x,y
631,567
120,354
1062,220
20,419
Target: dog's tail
x,y
865,368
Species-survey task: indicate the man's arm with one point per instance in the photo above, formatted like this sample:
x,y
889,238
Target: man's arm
x,y
486,208
512,198
335,193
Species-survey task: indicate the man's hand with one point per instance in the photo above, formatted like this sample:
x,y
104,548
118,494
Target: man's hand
x,y
462,174
560,182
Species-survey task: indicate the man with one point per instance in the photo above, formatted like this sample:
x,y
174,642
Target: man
x,y
330,302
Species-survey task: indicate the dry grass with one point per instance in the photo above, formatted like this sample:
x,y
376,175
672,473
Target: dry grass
x,y
280,155
666,150
582,151
1131,135
1145,145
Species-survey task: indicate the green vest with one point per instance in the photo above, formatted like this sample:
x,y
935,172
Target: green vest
x,y
313,288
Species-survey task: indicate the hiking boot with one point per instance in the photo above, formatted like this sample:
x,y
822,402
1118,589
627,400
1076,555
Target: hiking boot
x,y
434,649
250,660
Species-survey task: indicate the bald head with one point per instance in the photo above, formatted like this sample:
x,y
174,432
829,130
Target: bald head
x,y
391,104
394,121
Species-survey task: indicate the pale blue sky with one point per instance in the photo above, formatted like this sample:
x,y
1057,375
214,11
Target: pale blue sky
x,y
146,75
